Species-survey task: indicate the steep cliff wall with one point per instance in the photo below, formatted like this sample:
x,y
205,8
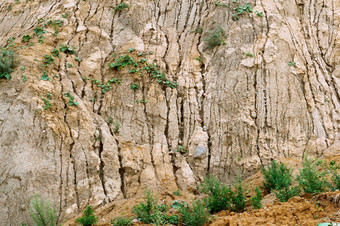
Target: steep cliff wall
x,y
271,89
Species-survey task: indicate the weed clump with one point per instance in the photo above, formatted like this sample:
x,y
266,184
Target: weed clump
x,y
256,199
219,194
121,221
88,218
42,212
121,6
276,176
8,62
311,178
215,38
195,215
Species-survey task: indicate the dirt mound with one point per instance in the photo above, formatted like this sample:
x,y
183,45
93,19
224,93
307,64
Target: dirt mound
x,y
297,211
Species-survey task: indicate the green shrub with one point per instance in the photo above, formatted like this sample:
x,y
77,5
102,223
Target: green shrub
x,y
121,221
215,38
311,178
144,210
8,62
276,176
238,199
335,178
67,49
219,195
88,218
42,212
196,215
256,199
286,193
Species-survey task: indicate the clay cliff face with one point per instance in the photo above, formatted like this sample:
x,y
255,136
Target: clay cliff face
x,y
270,90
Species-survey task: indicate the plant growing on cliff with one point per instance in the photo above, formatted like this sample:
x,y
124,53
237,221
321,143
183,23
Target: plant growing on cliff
x,y
121,221
216,37
42,212
238,199
121,6
67,49
255,201
47,101
88,218
286,193
71,101
239,10
195,215
311,179
219,195
276,176
8,62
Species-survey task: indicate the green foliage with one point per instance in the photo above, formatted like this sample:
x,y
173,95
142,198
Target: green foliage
x,y
47,101
286,193
195,215
276,176
122,62
219,195
181,149
121,6
71,101
115,123
69,65
67,49
48,59
311,178
45,77
215,38
239,10
42,212
26,38
39,31
65,15
239,198
335,178
8,62
134,86
177,192
78,59
219,3
290,63
149,212
88,218
248,54
256,199
121,221
55,53
141,101
106,86
136,67
259,14
41,39
145,210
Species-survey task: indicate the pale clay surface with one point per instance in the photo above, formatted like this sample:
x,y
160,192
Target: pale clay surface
x,y
245,111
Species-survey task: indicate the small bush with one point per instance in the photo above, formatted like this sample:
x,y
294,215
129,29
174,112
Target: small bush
x,y
144,210
121,221
335,178
286,193
276,176
256,199
88,218
8,62
311,178
42,212
196,215
215,38
240,195
219,195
